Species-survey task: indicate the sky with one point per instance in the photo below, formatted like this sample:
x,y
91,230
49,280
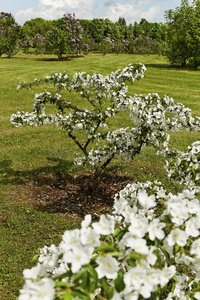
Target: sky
x,y
131,10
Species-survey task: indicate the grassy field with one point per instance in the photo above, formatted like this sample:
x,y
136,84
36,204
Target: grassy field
x,y
30,154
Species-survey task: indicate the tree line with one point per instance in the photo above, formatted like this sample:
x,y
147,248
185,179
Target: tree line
x,y
178,38
105,36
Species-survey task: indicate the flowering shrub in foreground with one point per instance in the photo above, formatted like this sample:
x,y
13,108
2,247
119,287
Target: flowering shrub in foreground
x,y
149,247
105,96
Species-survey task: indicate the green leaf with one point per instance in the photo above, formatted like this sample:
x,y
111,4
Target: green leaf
x,y
135,255
108,290
119,282
68,296
131,262
81,295
176,249
93,280
85,281
167,219
120,233
105,248
60,284
167,256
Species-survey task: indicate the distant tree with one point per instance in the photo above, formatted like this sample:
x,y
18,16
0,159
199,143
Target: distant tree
x,y
183,33
10,34
137,29
194,33
163,31
75,30
37,26
123,27
107,45
122,21
108,28
130,32
26,43
96,29
85,24
38,43
56,42
146,27
156,32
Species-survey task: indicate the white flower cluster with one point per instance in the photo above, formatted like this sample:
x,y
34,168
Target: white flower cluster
x,y
38,116
34,119
142,250
58,79
185,166
152,110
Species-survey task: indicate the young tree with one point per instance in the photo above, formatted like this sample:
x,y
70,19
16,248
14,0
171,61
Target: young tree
x,y
183,33
10,34
106,96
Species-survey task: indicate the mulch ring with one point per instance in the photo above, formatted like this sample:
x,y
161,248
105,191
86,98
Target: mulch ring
x,y
75,195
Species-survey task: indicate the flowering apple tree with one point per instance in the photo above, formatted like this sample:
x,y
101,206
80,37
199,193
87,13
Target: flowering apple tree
x,y
149,248
104,97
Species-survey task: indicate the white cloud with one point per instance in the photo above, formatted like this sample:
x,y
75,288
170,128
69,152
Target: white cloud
x,y
54,9
65,3
131,10
131,14
141,2
151,14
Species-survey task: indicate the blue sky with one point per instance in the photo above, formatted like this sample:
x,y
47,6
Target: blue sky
x,y
131,10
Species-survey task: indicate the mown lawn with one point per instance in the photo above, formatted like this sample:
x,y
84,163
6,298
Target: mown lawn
x,y
29,154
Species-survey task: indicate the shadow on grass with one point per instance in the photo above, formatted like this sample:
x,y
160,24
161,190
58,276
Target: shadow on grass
x,y
65,58
9,176
56,59
61,169
170,67
78,195
67,189
56,190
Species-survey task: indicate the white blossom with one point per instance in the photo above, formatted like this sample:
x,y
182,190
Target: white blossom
x,y
177,236
105,225
77,257
155,229
107,266
38,290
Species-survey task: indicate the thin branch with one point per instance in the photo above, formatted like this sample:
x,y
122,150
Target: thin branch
x,y
106,162
89,140
78,144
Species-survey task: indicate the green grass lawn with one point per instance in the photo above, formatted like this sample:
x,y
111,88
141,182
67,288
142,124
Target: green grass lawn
x,y
30,152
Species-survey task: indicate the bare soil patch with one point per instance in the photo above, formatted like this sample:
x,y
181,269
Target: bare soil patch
x,y
73,195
